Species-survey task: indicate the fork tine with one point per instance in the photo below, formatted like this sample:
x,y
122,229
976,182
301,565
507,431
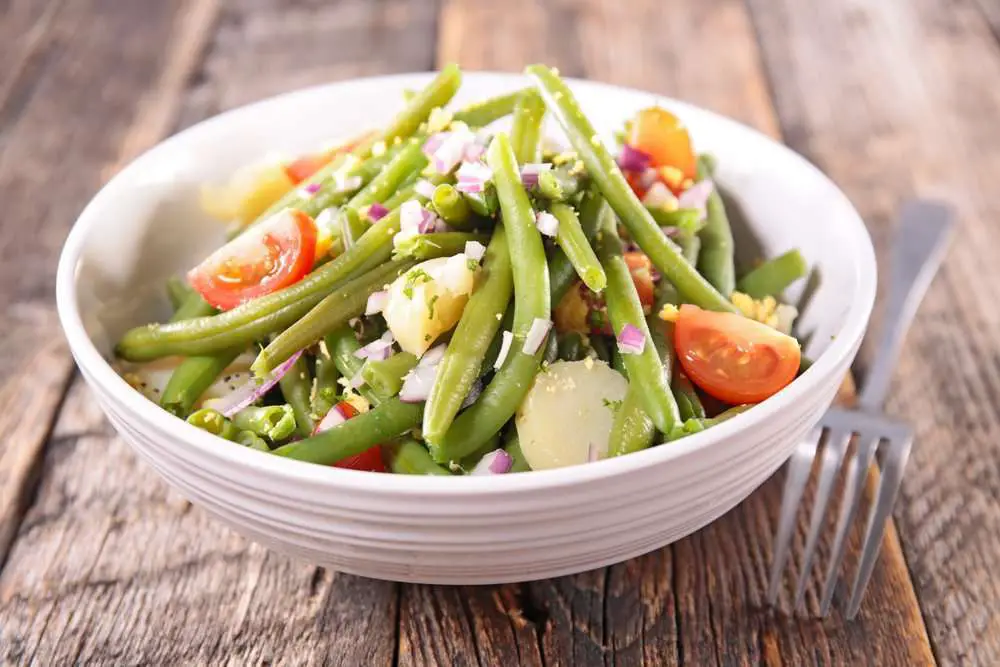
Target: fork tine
x,y
892,477
799,467
833,455
857,469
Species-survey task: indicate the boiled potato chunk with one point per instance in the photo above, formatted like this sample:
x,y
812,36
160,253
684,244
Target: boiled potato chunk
x,y
428,300
569,410
250,192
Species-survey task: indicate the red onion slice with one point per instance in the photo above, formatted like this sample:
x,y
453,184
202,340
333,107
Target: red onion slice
x,y
472,177
506,339
660,196
547,223
377,211
253,389
696,197
496,462
536,335
377,302
633,159
631,340
379,350
418,383
346,183
530,171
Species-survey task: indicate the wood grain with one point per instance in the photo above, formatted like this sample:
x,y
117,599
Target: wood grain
x,y
886,99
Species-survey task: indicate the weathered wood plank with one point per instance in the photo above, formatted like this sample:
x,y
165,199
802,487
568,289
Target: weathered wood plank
x,y
895,99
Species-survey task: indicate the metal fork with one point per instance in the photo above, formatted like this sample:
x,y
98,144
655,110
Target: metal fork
x,y
919,244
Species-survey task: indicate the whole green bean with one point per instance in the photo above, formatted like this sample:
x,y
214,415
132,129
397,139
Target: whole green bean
x,y
383,422
692,426
192,378
574,243
690,248
386,376
571,346
687,221
409,457
548,187
500,398
352,227
484,112
551,353
436,94
212,421
333,311
451,206
493,351
526,130
409,160
296,387
513,447
646,369
436,244
178,291
194,306
478,325
609,179
253,441
772,277
715,261
562,273
325,391
483,203
618,362
631,430
687,398
275,422
266,314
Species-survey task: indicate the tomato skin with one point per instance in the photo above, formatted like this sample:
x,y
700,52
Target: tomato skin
x,y
275,254
302,168
641,268
661,135
370,459
735,359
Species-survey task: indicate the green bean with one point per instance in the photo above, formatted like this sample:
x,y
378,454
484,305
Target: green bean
x,y
408,191
573,241
383,422
631,430
571,346
274,422
325,390
470,461
562,274
709,163
178,291
513,447
505,392
484,112
451,206
352,227
560,184
264,315
692,426
333,311
409,160
646,368
687,398
194,306
409,457
608,177
386,376
618,362
436,94
253,441
690,248
687,221
772,277
478,326
484,203
436,244
493,351
601,348
212,421
715,261
296,387
192,378
343,346
526,130
551,353
548,186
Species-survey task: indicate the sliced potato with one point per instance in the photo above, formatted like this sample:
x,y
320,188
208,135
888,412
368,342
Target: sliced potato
x,y
568,411
428,300
250,192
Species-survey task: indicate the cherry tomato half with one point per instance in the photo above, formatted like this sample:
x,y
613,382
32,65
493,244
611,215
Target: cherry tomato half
x,y
661,135
642,277
733,358
370,459
303,167
276,253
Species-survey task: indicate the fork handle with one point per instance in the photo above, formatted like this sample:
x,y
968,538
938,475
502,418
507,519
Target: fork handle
x,y
920,241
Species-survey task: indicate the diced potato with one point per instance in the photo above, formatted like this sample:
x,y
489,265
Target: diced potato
x,y
567,412
250,192
428,300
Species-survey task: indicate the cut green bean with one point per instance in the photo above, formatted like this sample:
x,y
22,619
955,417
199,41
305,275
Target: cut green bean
x,y
325,390
574,243
343,347
526,130
715,261
513,448
571,346
212,421
192,378
274,422
410,159
608,177
352,227
687,398
562,273
451,206
436,94
548,186
477,327
436,244
409,457
483,204
692,426
253,441
296,387
772,277
484,112
631,430
601,348
386,375
178,291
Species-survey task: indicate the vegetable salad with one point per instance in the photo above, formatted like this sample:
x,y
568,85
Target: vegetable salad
x,y
434,297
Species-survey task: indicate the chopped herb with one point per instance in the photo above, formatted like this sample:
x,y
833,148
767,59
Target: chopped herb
x,y
472,264
430,306
612,405
412,279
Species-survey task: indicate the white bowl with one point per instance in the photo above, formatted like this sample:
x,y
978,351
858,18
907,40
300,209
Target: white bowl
x,y
145,225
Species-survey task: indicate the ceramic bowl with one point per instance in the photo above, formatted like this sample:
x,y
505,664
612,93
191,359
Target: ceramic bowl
x,y
145,225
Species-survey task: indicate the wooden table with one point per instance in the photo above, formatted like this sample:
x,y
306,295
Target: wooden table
x,y
101,563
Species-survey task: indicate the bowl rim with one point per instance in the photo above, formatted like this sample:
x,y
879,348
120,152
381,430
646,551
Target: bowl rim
x,y
99,371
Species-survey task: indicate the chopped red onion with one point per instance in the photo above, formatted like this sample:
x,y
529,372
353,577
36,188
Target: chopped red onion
x,y
474,152
659,196
428,222
530,171
433,356
357,380
254,389
505,340
347,184
536,335
631,340
474,250
496,462
377,302
378,350
433,143
633,159
377,211
411,214
472,177
547,223
424,188
449,153
335,417
308,190
474,392
418,383
696,197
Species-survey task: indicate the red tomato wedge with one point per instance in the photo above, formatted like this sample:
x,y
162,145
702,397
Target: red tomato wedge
x,y
302,168
370,459
732,358
274,254
662,136
641,269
